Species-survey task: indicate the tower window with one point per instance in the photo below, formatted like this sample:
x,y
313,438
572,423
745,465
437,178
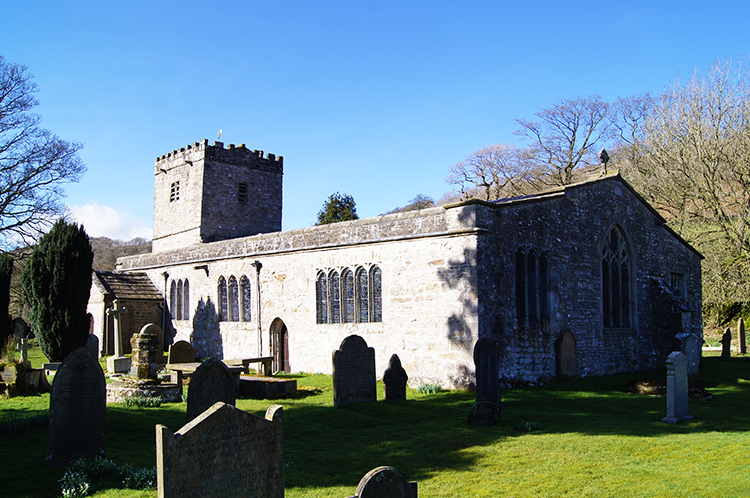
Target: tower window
x,y
174,192
242,193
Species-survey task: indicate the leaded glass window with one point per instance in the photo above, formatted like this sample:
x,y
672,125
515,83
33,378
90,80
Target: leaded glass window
x,y
186,301
247,303
363,301
321,298
376,294
234,300
173,300
616,280
223,302
347,279
334,297
178,313
532,303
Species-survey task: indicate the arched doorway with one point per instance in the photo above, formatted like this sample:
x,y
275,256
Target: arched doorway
x,y
280,346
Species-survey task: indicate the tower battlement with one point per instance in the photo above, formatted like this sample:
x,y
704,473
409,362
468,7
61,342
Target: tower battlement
x,y
238,155
205,192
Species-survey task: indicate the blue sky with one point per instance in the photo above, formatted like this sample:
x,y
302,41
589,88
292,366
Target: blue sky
x,y
373,99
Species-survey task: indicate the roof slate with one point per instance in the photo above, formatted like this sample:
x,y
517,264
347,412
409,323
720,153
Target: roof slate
x,y
128,285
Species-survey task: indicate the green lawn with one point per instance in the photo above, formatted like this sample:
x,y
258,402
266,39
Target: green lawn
x,y
594,440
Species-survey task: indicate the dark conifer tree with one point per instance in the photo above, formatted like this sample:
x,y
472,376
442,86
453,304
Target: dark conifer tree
x,y
337,208
57,283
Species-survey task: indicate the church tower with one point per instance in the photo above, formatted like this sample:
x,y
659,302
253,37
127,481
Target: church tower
x,y
205,193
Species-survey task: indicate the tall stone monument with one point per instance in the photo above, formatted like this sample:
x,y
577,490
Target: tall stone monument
x,y
223,452
77,410
677,389
741,335
354,373
486,409
118,363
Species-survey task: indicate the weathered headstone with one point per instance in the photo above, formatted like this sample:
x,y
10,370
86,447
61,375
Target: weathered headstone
x,y
385,482
677,389
692,351
24,350
486,409
741,335
211,382
567,363
92,346
144,345
394,380
181,352
353,372
222,452
77,409
154,329
726,343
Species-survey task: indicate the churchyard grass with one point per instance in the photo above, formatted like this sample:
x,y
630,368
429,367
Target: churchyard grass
x,y
585,438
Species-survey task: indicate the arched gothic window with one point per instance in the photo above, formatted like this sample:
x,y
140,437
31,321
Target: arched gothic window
x,y
247,303
173,300
180,294
223,304
376,294
334,293
321,298
532,303
616,280
347,278
186,301
358,292
363,300
234,299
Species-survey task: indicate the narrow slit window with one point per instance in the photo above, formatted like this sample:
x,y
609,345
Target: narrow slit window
x,y
174,192
242,193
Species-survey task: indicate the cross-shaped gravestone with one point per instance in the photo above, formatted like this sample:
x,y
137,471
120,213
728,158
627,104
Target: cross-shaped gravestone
x,y
118,363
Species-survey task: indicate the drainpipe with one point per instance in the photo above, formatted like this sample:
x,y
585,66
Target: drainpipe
x,y
257,265
164,312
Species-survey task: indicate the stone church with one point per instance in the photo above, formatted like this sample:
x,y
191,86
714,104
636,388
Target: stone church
x,y
581,280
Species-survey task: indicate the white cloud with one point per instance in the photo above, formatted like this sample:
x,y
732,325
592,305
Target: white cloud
x,y
104,221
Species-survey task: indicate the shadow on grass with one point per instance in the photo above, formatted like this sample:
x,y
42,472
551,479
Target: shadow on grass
x,y
328,447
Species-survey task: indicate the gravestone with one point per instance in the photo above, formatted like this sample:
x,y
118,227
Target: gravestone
x,y
77,409
692,351
741,335
92,346
394,380
144,346
677,389
353,373
223,452
155,330
726,343
385,482
567,363
211,382
24,350
486,409
117,363
181,352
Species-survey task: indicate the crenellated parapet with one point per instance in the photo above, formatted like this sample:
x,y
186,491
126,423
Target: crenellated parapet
x,y
238,155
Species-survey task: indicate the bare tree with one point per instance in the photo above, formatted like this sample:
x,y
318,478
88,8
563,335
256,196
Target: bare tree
x,y
493,172
567,136
33,161
697,171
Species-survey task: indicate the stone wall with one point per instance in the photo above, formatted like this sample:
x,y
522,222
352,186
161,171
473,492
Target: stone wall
x,y
197,194
428,285
448,277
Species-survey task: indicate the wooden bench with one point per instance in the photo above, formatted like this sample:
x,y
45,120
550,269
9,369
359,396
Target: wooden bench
x,y
180,370
265,361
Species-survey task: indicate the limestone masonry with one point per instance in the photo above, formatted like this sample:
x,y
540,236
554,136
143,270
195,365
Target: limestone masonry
x,y
592,262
